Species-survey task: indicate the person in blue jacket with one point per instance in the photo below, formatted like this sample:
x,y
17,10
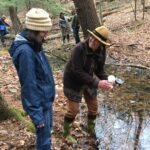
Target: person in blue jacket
x,y
3,29
35,75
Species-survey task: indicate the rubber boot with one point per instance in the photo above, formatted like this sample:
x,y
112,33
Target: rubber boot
x,y
66,133
91,127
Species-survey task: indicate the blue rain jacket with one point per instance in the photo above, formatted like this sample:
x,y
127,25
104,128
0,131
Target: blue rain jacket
x,y
35,76
3,30
3,27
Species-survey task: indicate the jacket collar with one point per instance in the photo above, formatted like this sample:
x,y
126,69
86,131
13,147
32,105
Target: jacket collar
x,y
35,45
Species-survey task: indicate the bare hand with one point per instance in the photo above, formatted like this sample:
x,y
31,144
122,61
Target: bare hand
x,y
104,84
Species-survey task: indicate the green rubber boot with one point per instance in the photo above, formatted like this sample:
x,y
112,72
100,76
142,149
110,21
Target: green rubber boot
x,y
91,127
66,133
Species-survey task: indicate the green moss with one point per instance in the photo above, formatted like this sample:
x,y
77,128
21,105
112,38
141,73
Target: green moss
x,y
17,114
30,126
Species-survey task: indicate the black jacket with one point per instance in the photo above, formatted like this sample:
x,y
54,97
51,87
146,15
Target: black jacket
x,y
83,65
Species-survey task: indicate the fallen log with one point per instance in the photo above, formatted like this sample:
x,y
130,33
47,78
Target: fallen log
x,y
57,56
109,13
132,65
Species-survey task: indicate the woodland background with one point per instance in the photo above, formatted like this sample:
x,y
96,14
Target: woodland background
x,y
129,23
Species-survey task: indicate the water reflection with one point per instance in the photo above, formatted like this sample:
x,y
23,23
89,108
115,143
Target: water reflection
x,y
124,120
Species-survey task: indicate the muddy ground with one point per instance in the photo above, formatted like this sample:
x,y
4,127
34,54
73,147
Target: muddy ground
x,y
131,47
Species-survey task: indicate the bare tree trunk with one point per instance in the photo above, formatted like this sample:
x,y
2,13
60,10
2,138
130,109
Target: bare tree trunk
x,y
100,12
28,4
94,3
138,131
87,15
135,9
15,20
4,109
143,3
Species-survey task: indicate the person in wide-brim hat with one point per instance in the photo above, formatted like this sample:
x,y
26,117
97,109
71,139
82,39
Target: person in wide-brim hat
x,y
87,61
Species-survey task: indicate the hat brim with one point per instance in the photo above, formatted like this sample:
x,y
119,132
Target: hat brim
x,y
99,39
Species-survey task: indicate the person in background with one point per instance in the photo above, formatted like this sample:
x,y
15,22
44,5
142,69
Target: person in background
x,y
3,21
87,61
3,29
35,75
75,27
65,27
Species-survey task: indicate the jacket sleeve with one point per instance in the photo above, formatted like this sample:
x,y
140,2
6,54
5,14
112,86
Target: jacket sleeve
x,y
100,72
62,23
31,97
77,61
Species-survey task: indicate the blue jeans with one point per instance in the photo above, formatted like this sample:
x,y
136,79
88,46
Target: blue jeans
x,y
43,135
76,35
2,34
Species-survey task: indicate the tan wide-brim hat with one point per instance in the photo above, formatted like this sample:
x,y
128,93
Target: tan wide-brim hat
x,y
101,34
38,19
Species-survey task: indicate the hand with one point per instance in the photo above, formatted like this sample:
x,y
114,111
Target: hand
x,y
41,125
104,84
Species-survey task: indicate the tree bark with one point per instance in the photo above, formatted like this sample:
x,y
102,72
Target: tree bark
x,y
135,10
143,3
100,12
87,15
138,130
28,4
4,109
17,26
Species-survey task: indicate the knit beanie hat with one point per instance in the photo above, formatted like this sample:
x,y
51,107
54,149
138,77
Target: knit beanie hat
x,y
38,19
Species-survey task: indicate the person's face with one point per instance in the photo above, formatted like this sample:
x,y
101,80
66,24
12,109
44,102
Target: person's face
x,y
93,43
42,35
62,15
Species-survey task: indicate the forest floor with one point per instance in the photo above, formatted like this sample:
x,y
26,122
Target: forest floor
x,y
131,46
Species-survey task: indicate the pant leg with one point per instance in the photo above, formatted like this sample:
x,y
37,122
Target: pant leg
x,y
72,109
63,32
68,37
2,33
92,104
76,35
43,135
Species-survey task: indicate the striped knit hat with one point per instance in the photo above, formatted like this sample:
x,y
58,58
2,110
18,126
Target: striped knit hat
x,y
38,19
